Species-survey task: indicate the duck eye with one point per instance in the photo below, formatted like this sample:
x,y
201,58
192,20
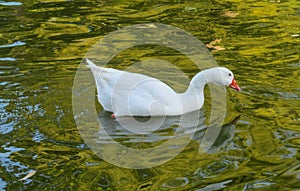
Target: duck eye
x,y
229,74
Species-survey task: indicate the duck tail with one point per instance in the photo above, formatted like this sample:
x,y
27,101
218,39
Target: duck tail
x,y
90,63
93,66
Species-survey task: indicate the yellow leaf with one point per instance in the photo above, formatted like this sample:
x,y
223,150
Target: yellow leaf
x,y
231,14
212,46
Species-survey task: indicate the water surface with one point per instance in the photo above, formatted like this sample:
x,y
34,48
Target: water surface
x,y
43,42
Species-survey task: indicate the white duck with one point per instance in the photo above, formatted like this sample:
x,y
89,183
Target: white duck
x,y
132,94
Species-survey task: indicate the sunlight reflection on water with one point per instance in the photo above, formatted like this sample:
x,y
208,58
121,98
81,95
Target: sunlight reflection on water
x,y
42,43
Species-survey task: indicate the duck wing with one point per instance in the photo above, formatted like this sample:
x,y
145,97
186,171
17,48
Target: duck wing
x,y
126,93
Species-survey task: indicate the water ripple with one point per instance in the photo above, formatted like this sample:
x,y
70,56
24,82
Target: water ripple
x,y
8,59
2,184
7,162
17,43
13,3
176,183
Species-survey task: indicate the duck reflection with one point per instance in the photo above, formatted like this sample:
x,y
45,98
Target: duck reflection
x,y
145,132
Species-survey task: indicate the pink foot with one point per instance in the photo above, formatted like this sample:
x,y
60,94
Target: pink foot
x,y
113,115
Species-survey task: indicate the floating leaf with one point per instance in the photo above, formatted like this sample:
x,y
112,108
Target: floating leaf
x,y
30,174
212,46
217,48
215,41
231,14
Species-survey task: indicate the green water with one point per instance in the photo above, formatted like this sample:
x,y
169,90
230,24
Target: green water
x,y
43,42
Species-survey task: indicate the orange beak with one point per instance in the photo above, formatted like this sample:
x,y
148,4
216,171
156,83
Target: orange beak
x,y
234,85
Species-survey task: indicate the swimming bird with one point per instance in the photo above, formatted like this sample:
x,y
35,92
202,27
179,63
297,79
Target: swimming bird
x,y
132,94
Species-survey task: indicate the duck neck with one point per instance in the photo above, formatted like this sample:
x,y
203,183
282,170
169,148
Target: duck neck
x,y
197,83
193,97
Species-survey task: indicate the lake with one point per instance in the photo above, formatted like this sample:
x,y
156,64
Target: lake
x,y
44,43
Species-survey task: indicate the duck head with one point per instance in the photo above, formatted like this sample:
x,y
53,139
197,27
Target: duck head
x,y
222,77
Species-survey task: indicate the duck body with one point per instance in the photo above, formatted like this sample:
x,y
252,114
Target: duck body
x,y
131,94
